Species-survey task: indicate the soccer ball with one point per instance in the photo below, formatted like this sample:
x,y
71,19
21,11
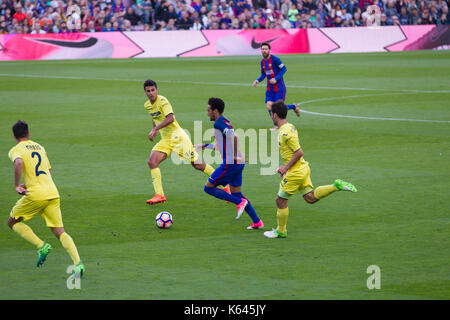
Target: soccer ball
x,y
164,220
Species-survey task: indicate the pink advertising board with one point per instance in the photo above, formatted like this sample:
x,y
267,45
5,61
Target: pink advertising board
x,y
207,43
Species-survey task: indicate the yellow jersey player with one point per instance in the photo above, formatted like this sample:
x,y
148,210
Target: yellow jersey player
x,y
173,139
39,196
295,172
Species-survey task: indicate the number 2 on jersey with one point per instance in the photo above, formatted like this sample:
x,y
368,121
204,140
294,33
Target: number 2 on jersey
x,y
38,172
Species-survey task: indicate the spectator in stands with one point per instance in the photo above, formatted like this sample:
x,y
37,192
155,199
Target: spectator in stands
x,y
197,25
20,16
171,25
284,8
185,22
147,12
426,17
404,16
126,25
292,14
318,22
171,14
132,16
37,29
415,18
259,4
91,26
390,11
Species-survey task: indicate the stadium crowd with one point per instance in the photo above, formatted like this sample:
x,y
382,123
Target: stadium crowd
x,y
57,16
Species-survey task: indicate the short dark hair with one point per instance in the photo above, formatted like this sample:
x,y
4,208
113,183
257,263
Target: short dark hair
x,y
280,109
216,104
150,83
20,129
265,44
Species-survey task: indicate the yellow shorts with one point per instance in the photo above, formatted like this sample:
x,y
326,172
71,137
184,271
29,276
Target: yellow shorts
x,y
49,210
299,181
181,145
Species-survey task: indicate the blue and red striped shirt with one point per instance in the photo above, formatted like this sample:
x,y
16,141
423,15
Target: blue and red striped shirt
x,y
273,68
224,135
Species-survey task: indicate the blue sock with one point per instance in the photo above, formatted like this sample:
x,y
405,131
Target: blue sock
x,y
223,195
270,113
291,106
249,208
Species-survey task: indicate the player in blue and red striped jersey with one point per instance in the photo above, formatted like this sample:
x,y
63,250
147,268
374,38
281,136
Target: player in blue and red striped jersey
x,y
230,171
274,70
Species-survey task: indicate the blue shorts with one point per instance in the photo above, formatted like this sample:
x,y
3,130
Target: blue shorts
x,y
227,174
275,96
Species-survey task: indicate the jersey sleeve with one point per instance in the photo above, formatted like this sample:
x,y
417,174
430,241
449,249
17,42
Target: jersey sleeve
x,y
166,107
290,138
263,74
224,128
281,67
14,154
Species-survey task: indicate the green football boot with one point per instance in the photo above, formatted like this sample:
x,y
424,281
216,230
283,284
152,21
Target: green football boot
x,y
43,252
344,186
78,270
275,234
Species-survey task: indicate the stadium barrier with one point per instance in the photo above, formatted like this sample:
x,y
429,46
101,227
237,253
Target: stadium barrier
x,y
208,43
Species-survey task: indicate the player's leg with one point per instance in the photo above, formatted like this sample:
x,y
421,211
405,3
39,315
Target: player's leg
x,y
70,247
256,221
324,191
236,190
281,95
288,186
221,194
312,196
158,155
24,210
220,176
203,167
24,231
186,151
282,217
53,220
294,107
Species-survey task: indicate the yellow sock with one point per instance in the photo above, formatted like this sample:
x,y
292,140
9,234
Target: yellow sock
x,y
282,217
25,232
323,191
157,181
70,247
208,170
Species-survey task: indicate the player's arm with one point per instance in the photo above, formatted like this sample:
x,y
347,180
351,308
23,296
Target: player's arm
x,y
282,69
18,167
261,77
204,146
236,147
168,120
295,157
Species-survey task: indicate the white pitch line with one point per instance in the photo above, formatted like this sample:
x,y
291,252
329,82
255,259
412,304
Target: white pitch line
x,y
361,117
219,83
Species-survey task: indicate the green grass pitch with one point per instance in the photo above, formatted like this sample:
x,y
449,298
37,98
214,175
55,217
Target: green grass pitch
x,y
89,116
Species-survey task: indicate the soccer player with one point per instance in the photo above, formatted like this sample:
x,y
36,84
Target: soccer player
x,y
274,70
173,138
230,171
295,172
39,196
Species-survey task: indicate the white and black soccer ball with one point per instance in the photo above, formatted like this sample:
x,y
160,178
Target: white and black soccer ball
x,y
164,220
